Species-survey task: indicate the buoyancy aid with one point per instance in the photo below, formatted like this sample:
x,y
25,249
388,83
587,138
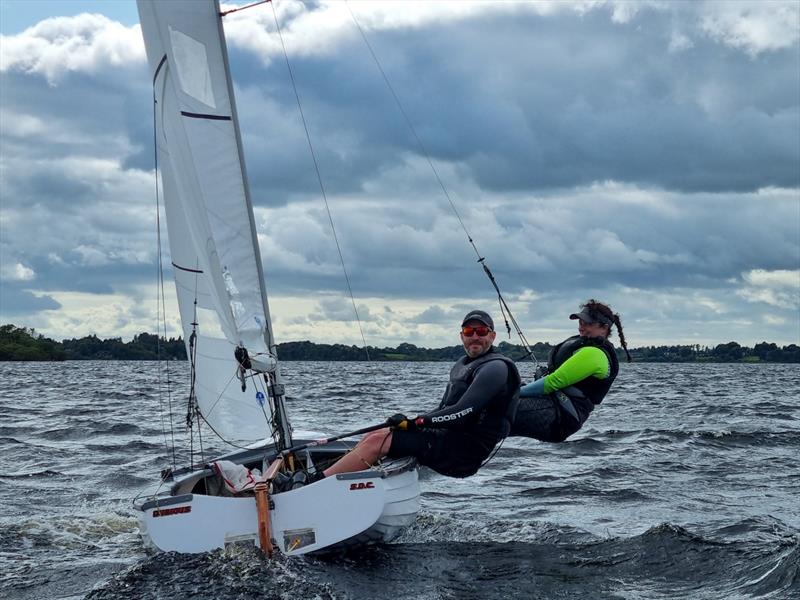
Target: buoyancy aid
x,y
498,415
592,388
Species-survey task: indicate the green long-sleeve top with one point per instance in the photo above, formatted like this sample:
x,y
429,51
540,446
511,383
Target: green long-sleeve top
x,y
588,361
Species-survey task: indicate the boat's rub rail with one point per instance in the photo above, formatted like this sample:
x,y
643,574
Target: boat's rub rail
x,y
165,501
361,475
394,467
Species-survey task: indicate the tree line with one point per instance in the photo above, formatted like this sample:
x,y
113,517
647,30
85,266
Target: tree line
x,y
20,343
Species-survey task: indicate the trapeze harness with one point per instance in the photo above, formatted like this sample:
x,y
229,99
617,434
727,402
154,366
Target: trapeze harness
x,y
493,421
573,403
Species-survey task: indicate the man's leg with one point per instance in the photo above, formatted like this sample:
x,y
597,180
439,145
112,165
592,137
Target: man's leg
x,y
372,446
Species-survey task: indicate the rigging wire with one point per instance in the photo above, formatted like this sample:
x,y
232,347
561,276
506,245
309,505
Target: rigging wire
x,y
161,307
200,440
270,420
192,409
219,435
504,308
233,10
319,179
200,416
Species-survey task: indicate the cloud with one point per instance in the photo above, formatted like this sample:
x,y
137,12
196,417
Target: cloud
x,y
15,302
17,272
86,43
92,42
779,288
601,233
340,309
644,153
779,279
753,26
435,314
541,113
310,30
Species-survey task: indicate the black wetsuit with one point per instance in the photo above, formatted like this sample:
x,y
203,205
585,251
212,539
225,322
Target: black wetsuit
x,y
474,415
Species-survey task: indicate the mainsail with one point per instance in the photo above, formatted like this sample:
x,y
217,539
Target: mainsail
x,y
212,236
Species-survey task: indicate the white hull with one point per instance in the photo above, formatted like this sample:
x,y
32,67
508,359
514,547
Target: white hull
x,y
371,506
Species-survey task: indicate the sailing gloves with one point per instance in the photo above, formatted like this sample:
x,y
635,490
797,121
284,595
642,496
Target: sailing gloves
x,y
402,422
398,421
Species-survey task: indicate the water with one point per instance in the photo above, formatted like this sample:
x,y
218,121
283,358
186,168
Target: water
x,y
684,484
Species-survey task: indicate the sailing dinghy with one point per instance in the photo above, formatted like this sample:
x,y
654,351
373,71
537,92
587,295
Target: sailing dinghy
x,y
237,387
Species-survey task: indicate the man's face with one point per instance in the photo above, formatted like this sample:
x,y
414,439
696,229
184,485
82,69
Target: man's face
x,y
475,344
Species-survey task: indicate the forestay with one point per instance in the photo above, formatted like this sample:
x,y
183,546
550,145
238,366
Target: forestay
x,y
212,237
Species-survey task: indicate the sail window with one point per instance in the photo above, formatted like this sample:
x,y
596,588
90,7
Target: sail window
x,y
208,323
191,61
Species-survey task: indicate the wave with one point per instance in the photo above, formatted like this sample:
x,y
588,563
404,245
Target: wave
x,y
34,475
580,492
666,560
85,432
237,572
132,446
729,437
80,532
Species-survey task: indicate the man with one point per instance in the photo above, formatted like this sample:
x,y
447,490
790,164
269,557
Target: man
x,y
475,413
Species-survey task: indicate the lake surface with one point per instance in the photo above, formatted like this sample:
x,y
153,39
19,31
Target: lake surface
x,y
685,483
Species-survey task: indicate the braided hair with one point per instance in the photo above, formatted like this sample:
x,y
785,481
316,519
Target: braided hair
x,y
593,306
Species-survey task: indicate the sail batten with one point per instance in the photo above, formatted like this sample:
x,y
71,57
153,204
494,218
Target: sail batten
x,y
211,229
205,116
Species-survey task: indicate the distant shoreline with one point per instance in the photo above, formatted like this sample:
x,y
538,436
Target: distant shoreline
x,y
22,344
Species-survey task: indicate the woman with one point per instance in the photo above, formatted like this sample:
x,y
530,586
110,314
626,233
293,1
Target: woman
x,y
580,370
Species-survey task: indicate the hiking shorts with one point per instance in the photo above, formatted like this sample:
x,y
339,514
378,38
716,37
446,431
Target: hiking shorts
x,y
446,451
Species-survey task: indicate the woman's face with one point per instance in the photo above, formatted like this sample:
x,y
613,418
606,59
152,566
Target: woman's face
x,y
592,329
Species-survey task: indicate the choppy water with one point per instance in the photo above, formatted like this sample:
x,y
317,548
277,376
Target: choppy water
x,y
684,484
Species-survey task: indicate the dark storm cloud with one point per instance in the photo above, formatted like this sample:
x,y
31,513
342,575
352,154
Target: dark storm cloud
x,y
73,211
534,102
16,301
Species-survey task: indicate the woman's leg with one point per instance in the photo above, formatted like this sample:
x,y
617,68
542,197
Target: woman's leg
x,y
538,418
372,446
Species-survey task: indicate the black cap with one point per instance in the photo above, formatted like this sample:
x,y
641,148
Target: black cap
x,y
590,316
478,315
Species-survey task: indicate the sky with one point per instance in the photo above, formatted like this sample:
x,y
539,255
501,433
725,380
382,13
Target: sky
x,y
646,154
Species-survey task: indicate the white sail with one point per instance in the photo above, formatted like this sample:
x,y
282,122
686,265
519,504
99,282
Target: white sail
x,y
210,224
